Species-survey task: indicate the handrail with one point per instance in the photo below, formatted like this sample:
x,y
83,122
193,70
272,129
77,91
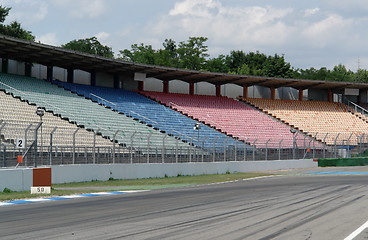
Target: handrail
x,y
144,117
98,97
59,109
355,107
182,134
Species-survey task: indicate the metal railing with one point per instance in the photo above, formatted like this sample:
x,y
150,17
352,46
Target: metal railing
x,y
103,101
56,147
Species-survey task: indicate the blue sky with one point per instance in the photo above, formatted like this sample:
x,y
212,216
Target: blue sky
x,y
309,33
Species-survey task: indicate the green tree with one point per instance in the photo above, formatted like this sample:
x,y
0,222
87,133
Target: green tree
x,y
14,29
217,64
4,12
192,54
340,73
89,45
276,66
361,76
139,54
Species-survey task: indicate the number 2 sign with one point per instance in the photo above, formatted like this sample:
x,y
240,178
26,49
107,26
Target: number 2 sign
x,y
19,143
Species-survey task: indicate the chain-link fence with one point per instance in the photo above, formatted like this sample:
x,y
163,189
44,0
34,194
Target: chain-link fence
x,y
57,146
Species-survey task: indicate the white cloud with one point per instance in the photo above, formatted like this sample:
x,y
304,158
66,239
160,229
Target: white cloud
x,y
83,9
101,36
239,27
27,12
310,12
327,31
48,38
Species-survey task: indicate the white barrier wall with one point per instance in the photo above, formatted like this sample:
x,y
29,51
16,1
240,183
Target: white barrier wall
x,y
82,173
21,179
16,179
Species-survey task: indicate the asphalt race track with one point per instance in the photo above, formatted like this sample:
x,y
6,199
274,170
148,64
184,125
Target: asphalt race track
x,y
312,206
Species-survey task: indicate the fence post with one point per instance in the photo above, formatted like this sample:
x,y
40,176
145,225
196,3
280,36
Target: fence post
x,y
225,149
75,132
2,125
4,156
267,149
236,150
214,149
94,146
280,149
148,145
294,145
324,146
163,148
336,144
314,146
35,143
245,149
203,148
190,149
254,148
25,142
113,146
177,148
131,146
348,147
50,151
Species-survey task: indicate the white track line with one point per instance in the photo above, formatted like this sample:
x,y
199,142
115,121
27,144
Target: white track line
x,y
357,232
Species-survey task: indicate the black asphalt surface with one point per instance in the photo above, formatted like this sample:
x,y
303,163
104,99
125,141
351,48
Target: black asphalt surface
x,y
316,206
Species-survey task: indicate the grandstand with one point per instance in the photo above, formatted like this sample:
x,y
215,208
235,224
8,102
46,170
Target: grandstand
x,y
89,115
327,121
229,116
154,114
148,113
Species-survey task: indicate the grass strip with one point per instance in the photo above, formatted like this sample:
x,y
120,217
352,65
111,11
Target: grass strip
x,y
129,184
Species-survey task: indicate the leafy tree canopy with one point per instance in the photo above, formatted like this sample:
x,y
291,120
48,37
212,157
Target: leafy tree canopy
x,y
89,45
14,29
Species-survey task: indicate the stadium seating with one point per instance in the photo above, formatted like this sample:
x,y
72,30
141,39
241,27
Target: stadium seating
x,y
326,119
159,116
231,116
86,113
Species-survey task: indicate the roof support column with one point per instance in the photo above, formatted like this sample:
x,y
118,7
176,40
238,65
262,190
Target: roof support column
x,y
191,89
28,69
4,65
218,90
116,80
70,75
140,86
166,86
93,78
50,73
273,92
329,95
245,91
300,94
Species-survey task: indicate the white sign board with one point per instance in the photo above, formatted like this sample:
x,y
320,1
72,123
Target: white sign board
x,y
351,91
139,76
40,190
20,143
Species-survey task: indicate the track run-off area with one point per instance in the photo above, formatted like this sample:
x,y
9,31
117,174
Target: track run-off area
x,y
320,203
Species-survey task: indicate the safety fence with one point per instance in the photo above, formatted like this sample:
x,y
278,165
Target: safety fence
x,y
51,146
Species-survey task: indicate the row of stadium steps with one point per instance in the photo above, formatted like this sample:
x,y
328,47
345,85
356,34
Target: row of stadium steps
x,y
16,116
231,117
157,115
85,113
315,117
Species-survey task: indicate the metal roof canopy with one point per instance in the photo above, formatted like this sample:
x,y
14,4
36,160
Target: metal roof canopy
x,y
27,51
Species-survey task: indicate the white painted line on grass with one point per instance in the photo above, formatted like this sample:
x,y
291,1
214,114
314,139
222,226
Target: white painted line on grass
x,y
357,232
